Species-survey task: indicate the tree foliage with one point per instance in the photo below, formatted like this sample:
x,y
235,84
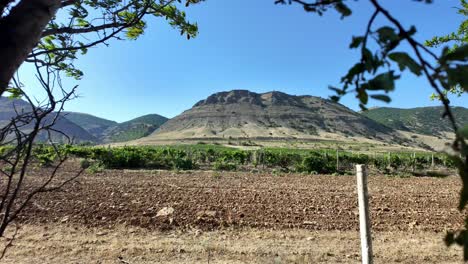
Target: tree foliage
x,y
78,25
66,38
51,35
456,39
375,74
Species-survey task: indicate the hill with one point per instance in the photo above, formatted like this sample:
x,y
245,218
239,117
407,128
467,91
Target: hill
x,y
93,124
133,129
272,115
421,120
62,124
85,127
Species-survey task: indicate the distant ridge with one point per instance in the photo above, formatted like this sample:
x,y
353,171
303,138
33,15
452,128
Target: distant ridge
x,y
82,127
421,120
134,129
62,124
93,124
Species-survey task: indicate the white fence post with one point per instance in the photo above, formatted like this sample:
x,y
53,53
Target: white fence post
x,y
364,218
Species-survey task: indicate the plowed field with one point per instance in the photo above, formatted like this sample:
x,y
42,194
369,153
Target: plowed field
x,y
210,200
125,216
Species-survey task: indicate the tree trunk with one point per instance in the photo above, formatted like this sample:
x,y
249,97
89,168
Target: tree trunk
x,y
20,31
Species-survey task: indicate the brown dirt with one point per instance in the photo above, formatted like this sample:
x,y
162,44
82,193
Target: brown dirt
x,y
222,217
211,200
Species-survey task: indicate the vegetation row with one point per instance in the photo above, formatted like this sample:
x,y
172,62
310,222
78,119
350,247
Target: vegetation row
x,y
189,157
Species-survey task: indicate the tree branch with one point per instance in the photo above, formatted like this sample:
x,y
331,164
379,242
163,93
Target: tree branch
x,y
71,30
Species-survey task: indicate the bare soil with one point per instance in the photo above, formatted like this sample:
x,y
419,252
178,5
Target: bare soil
x,y
236,218
238,199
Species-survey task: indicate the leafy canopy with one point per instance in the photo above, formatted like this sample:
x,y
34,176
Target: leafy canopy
x,y
80,25
457,39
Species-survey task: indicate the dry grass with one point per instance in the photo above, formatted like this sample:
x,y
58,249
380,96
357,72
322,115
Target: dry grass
x,y
75,244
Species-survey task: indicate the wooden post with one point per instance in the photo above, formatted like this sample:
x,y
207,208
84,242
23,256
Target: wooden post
x,y
432,160
364,218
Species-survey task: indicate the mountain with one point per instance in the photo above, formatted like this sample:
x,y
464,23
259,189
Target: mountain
x,y
421,120
62,124
272,115
94,125
134,129
85,127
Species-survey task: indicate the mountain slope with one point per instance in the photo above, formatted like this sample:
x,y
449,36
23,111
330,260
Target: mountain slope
x,y
62,124
134,129
273,115
422,120
93,124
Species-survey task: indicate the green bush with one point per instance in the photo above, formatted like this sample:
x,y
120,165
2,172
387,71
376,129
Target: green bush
x,y
315,162
224,166
85,163
188,157
96,167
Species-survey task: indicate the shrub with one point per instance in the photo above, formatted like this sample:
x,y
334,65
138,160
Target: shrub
x,y
85,163
183,164
96,167
316,163
224,166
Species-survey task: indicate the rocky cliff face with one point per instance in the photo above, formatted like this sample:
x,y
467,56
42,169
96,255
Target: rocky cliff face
x,y
245,114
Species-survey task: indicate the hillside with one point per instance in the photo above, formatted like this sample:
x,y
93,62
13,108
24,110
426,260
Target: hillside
x,y
94,125
133,129
85,127
272,115
74,131
422,120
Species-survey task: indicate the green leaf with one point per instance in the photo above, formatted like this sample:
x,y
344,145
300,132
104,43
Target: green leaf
x,y
463,198
458,76
343,9
368,59
449,239
405,61
15,93
412,31
337,90
356,42
463,132
382,97
387,34
358,68
363,96
459,54
363,107
335,98
383,81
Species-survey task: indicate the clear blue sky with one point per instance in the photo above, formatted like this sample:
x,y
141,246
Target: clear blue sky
x,y
244,44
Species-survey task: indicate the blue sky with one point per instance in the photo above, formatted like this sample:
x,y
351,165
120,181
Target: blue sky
x,y
244,44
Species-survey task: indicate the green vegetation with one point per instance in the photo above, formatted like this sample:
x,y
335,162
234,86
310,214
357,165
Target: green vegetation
x,y
189,157
136,128
85,127
456,39
93,124
423,120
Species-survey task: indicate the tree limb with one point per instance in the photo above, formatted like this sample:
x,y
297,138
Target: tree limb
x,y
71,30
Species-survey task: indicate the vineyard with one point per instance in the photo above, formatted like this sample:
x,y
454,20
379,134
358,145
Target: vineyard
x,y
216,157
191,195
